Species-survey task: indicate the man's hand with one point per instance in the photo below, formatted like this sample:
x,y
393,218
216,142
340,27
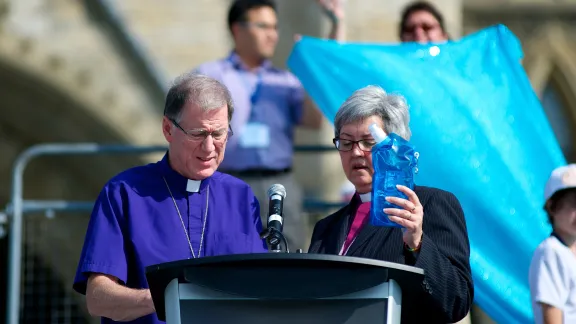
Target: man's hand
x,y
106,298
334,9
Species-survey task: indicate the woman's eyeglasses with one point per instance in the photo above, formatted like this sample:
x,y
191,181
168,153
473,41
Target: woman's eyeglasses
x,y
345,145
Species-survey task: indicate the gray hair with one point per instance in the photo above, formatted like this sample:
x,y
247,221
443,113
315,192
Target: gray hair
x,y
203,91
374,101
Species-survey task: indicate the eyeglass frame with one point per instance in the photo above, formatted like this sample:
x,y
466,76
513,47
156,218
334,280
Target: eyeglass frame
x,y
259,25
205,133
357,143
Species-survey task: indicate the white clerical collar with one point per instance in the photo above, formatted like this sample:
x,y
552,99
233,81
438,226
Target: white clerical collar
x,y
366,197
193,185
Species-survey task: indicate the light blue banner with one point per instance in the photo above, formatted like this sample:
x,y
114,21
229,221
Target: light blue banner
x,y
481,133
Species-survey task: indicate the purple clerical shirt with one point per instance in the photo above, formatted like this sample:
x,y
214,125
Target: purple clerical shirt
x,y
266,95
135,224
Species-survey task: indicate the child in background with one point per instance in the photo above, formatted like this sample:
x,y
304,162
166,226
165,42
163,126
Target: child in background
x,y
552,274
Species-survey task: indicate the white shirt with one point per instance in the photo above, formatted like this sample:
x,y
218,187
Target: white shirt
x,y
552,279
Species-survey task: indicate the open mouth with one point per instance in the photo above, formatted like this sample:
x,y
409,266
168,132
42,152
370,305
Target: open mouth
x,y
204,159
360,167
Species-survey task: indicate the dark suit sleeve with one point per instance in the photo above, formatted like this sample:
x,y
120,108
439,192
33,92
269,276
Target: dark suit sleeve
x,y
445,256
316,240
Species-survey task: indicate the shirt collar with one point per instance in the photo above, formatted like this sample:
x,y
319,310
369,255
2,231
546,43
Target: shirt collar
x,y
367,197
359,199
234,58
178,182
559,238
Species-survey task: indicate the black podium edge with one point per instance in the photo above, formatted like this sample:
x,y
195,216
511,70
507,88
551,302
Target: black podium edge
x,y
160,275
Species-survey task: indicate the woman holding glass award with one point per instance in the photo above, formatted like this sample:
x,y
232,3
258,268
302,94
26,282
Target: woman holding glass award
x,y
426,229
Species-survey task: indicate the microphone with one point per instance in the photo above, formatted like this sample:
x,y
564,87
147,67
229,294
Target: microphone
x,y
276,193
273,233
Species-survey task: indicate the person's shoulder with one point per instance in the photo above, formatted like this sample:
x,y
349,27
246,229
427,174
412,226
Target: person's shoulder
x,y
549,249
325,226
432,191
425,193
230,181
280,71
210,68
285,75
552,253
332,218
132,177
550,257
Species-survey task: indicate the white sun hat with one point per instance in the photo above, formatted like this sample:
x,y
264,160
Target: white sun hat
x,y
562,178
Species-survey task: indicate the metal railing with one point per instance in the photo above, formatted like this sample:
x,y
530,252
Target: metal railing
x,y
19,206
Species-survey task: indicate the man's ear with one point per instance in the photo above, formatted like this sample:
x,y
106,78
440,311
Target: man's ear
x,y
235,29
167,129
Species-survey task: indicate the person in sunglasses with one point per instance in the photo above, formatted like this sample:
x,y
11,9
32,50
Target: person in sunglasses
x,y
420,22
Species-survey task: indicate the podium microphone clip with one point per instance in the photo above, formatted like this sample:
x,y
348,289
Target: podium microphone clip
x,y
274,237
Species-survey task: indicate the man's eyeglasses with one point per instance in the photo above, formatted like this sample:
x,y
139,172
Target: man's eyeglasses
x,y
199,135
260,25
345,145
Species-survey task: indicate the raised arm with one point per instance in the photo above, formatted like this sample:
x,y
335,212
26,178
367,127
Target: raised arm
x,y
312,117
305,113
105,297
334,9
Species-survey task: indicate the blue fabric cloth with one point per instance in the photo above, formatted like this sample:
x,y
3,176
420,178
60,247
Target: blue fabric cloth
x,y
481,134
135,224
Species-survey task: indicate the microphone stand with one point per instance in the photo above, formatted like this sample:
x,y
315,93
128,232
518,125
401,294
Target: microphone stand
x,y
274,237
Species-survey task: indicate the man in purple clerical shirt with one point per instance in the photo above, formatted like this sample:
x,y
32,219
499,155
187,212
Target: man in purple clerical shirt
x,y
270,103
177,208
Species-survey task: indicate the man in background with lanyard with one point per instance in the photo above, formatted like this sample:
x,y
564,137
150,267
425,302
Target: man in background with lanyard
x,y
270,103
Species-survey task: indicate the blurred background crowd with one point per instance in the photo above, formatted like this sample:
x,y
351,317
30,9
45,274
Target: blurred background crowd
x,y
97,71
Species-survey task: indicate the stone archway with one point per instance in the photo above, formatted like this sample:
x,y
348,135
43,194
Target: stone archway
x,y
43,100
561,115
552,71
548,51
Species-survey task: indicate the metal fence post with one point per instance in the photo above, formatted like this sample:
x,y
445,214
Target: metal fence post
x,y
15,242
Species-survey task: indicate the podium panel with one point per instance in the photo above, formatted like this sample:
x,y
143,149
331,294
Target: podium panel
x,y
187,303
283,288
289,312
